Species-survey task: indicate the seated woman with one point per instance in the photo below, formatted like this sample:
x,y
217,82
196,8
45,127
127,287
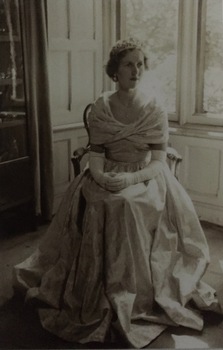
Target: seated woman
x,y
125,253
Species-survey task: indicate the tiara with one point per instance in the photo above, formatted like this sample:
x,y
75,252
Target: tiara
x,y
126,44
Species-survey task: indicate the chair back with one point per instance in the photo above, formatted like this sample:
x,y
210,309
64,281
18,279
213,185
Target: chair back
x,y
86,121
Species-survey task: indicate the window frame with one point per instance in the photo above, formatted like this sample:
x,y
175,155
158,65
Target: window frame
x,y
199,116
190,64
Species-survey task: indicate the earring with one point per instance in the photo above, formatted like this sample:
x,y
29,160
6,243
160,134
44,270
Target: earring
x,y
115,78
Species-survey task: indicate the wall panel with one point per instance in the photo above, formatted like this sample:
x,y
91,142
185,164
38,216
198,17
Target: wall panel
x,y
76,77
203,170
60,80
200,173
75,57
58,18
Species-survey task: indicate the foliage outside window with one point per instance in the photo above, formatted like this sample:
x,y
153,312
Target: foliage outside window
x,y
156,23
213,69
184,39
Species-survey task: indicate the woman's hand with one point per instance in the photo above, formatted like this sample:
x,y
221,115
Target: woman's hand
x,y
117,182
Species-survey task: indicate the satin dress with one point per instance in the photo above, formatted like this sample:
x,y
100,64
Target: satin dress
x,y
127,263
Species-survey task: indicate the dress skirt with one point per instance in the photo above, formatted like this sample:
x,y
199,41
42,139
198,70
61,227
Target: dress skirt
x,y
127,263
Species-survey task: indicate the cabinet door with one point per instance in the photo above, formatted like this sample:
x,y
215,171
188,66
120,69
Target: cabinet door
x,y
15,167
13,129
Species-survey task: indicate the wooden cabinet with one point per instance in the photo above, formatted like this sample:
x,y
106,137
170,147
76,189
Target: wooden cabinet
x,y
16,180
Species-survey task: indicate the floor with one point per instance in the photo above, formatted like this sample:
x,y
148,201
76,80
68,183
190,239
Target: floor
x,y
20,329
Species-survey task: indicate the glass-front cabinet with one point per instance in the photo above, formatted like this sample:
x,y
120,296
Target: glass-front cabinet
x,y
13,128
15,164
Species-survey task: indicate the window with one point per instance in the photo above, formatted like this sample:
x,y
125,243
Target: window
x,y
184,39
156,23
213,58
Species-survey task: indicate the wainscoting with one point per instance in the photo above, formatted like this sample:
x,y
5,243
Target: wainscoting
x,y
201,172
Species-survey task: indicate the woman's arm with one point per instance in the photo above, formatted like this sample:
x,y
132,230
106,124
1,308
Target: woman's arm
x,y
96,163
158,159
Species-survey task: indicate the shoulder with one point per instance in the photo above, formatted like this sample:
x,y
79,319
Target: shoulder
x,y
156,106
101,102
96,107
99,108
160,108
153,105
155,113
98,103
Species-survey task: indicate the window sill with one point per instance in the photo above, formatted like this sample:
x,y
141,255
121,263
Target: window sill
x,y
208,119
196,130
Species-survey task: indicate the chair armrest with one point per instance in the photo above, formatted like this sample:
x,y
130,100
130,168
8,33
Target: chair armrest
x,y
174,160
173,154
76,159
80,152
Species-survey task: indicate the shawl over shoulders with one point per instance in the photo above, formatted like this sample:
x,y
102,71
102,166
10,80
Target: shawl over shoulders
x,y
150,127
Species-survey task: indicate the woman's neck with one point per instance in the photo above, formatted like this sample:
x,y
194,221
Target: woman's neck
x,y
126,96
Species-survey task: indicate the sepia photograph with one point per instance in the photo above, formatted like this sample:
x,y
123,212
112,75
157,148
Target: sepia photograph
x,y
111,174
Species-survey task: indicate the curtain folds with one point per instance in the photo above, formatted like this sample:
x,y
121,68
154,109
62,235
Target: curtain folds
x,y
33,13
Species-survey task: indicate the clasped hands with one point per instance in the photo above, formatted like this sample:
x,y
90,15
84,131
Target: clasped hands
x,y
115,182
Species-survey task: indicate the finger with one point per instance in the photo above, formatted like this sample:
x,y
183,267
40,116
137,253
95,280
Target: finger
x,y
119,175
108,175
114,181
112,174
113,188
116,187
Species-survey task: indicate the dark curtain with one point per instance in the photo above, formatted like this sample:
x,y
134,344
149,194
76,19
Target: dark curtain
x,y
34,29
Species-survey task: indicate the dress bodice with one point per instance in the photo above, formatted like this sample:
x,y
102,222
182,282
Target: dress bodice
x,y
127,143
126,151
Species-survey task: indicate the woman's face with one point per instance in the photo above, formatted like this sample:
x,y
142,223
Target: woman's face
x,y
131,69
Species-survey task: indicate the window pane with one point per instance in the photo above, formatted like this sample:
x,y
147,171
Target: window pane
x,y
213,75
156,23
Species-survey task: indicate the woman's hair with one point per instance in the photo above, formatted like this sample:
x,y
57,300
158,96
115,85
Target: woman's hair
x,y
119,51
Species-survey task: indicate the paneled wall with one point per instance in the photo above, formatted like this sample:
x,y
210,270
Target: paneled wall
x,y
201,172
76,77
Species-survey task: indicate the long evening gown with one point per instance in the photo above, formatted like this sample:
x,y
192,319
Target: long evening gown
x,y
128,262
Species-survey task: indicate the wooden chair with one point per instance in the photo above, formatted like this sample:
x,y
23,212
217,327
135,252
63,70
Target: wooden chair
x,y
173,157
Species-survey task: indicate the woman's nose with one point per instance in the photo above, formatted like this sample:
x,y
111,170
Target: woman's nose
x,y
135,70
